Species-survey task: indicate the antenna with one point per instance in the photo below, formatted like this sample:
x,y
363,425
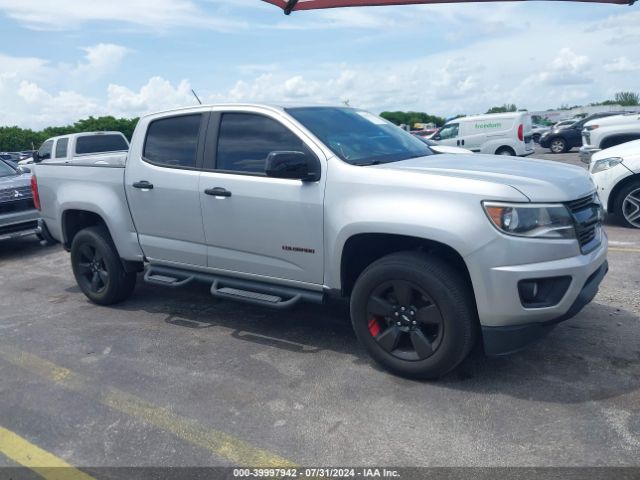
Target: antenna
x,y
196,95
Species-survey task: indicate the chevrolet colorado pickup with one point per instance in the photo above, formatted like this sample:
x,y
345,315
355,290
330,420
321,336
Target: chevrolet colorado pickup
x,y
274,206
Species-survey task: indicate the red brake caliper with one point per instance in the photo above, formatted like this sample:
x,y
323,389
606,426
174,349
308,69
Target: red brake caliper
x,y
374,328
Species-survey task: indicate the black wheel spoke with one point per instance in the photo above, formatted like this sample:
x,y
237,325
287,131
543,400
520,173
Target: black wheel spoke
x,y
104,276
421,344
403,292
380,307
388,339
95,281
84,268
429,315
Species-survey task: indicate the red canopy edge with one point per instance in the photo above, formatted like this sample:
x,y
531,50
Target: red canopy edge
x,y
291,5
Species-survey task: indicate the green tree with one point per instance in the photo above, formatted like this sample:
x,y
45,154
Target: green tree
x,y
14,139
627,99
411,118
507,107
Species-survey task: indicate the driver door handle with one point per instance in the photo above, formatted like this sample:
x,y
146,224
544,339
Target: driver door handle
x,y
143,184
218,192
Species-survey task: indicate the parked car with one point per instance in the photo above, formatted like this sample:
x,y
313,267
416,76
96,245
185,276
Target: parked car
x,y
537,131
616,173
18,214
499,133
435,148
565,123
69,148
608,132
273,206
563,139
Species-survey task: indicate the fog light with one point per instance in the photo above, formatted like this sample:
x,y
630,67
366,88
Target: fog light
x,y
543,292
529,290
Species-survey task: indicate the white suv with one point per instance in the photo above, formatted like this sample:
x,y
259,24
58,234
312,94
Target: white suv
x,y
608,132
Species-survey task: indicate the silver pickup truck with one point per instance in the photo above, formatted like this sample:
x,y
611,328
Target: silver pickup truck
x,y
274,206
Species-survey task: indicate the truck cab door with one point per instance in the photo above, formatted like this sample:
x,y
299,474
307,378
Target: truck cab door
x,y
161,182
267,228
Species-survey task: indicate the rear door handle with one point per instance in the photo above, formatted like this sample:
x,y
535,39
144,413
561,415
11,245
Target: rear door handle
x,y
143,184
218,192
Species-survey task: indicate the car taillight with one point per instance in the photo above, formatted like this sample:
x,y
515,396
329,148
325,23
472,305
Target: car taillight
x,y
521,133
34,192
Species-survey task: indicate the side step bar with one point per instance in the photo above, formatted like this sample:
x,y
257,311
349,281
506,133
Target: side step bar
x,y
247,291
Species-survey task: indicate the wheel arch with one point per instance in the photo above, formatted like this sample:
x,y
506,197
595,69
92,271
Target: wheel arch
x,y
613,196
73,220
362,249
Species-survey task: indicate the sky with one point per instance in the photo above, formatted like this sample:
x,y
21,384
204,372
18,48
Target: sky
x,y
66,60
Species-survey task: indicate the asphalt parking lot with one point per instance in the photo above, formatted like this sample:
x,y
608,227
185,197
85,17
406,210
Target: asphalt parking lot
x,y
177,378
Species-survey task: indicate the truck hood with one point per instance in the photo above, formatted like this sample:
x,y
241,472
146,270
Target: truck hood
x,y
538,180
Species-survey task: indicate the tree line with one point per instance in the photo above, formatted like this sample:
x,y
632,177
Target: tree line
x,y
16,139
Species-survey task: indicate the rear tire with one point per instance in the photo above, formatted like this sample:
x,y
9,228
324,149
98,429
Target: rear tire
x,y
627,205
506,151
98,268
431,301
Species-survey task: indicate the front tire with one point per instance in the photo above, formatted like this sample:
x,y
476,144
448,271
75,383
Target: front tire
x,y
414,315
508,151
98,269
627,205
558,145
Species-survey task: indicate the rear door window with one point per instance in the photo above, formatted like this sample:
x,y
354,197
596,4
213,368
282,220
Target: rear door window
x,y
61,147
173,141
100,144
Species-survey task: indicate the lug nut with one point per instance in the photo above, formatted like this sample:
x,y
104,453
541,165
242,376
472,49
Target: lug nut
x,y
397,314
402,309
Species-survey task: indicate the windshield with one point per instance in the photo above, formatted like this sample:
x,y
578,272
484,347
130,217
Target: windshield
x,y
359,137
6,170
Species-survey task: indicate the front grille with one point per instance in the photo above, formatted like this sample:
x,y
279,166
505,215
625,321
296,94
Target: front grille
x,y
17,193
587,217
19,206
586,138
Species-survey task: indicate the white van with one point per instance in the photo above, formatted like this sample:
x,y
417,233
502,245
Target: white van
x,y
497,133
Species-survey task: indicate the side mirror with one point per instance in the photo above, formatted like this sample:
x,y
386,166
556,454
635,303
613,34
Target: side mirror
x,y
36,157
292,165
23,169
437,137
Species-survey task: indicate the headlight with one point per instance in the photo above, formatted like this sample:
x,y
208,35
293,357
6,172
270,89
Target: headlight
x,y
606,164
531,220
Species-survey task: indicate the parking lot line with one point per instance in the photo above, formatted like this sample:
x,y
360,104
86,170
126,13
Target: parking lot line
x,y
45,464
624,250
220,443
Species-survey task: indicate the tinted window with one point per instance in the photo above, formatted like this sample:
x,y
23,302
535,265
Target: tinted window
x,y
449,131
45,150
245,141
6,170
61,148
173,141
100,144
358,137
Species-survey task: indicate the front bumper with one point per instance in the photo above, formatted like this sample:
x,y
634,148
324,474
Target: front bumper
x,y
586,152
509,339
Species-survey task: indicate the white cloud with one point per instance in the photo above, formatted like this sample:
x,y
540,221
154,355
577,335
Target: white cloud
x,y
567,68
156,94
72,14
622,65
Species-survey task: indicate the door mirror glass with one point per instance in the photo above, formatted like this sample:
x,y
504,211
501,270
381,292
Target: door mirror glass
x,y
36,157
290,164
